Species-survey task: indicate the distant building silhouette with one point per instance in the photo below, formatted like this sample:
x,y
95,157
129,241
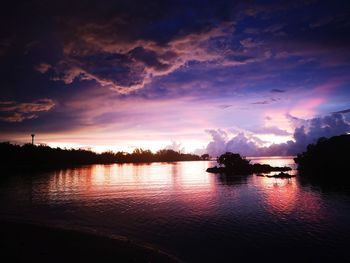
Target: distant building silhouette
x,y
32,138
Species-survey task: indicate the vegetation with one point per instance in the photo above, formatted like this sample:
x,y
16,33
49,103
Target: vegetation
x,y
42,155
233,163
326,160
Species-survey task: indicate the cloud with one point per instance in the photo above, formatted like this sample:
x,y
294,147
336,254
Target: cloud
x,y
94,53
193,55
321,21
278,90
241,143
175,146
343,111
309,132
126,48
263,102
43,68
327,126
12,111
269,130
276,28
249,43
224,106
218,144
125,53
295,121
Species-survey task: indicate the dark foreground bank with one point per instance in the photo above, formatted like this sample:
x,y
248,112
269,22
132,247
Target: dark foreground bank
x,y
32,243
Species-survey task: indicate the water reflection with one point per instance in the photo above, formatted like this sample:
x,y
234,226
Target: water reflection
x,y
184,183
178,205
284,197
132,177
232,180
280,195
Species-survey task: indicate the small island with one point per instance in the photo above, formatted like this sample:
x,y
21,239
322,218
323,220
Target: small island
x,y
234,164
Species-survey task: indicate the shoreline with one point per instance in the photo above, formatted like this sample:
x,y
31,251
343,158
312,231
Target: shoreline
x,y
28,241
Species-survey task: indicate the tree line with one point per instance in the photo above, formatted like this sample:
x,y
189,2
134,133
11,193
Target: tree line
x,y
29,155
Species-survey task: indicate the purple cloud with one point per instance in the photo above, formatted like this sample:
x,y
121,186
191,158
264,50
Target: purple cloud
x,y
309,132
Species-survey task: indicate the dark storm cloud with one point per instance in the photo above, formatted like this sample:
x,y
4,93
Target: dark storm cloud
x,y
125,45
126,65
120,44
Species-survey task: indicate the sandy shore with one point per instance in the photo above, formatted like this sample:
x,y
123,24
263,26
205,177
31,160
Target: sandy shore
x,y
31,243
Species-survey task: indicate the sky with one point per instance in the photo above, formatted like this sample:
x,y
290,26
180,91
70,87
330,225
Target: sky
x,y
255,77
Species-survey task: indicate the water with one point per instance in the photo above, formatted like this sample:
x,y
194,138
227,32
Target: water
x,y
194,215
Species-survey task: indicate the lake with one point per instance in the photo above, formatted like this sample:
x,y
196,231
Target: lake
x,y
193,215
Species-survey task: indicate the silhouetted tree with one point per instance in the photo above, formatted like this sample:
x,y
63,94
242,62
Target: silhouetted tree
x,y
233,161
205,156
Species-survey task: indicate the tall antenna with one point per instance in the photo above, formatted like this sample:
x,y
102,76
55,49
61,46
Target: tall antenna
x,y
32,138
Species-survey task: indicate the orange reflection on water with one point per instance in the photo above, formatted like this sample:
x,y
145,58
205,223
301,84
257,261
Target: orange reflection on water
x,y
186,183
284,196
280,195
129,176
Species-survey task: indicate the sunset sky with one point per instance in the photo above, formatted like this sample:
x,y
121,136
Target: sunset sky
x,y
115,75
